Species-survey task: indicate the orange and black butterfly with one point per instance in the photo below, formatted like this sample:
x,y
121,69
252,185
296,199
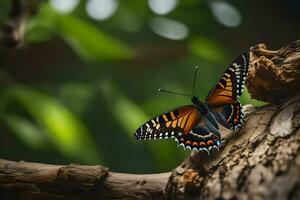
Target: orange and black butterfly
x,y
196,127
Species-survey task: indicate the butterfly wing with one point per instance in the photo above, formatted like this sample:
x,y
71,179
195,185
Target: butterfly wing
x,y
201,138
177,122
231,85
230,116
223,98
205,136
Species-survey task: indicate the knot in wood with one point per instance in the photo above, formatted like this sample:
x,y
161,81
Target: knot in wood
x,y
82,177
189,182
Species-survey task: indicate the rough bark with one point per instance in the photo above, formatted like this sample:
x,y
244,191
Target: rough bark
x,y
261,161
274,75
25,180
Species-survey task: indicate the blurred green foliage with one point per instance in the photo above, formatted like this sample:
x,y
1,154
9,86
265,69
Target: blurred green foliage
x,y
5,9
89,42
79,86
63,129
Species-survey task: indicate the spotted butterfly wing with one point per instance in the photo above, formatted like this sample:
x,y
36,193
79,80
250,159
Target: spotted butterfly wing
x,y
196,132
223,98
175,123
201,138
185,125
231,85
230,116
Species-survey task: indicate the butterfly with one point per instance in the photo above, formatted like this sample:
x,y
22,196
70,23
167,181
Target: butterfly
x,y
196,127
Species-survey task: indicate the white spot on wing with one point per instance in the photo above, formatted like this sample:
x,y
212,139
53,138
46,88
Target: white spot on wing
x,y
195,149
182,145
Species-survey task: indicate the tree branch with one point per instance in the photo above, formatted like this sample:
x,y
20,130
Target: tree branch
x,y
261,161
12,31
42,181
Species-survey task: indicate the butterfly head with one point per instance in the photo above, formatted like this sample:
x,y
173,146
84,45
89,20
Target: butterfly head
x,y
195,100
200,105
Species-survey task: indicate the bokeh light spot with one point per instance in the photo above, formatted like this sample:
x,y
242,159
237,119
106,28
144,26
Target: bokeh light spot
x,y
169,28
226,14
162,7
65,6
101,9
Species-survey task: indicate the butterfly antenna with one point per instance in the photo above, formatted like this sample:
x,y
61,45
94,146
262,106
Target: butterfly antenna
x,y
171,92
195,77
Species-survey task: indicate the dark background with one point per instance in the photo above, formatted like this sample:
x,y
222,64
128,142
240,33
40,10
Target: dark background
x,y
87,74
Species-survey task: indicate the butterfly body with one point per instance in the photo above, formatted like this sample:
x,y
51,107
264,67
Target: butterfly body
x,y
196,126
200,105
205,111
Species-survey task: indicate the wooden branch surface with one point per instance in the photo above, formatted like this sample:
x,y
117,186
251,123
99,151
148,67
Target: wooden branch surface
x,y
25,180
261,161
274,75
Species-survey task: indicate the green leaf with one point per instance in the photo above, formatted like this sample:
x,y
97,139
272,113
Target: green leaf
x,y
25,130
64,129
35,33
77,96
5,10
207,49
132,116
89,42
